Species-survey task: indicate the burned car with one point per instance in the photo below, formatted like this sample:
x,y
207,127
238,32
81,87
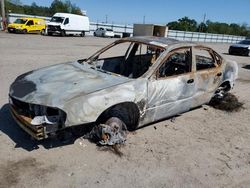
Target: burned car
x,y
138,80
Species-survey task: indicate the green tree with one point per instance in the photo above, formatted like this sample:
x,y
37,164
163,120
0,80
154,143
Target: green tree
x,y
183,24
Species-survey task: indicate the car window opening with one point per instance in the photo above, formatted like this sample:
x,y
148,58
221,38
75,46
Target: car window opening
x,y
129,59
179,62
204,59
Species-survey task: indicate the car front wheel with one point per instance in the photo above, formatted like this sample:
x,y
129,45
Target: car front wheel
x,y
43,32
63,34
83,34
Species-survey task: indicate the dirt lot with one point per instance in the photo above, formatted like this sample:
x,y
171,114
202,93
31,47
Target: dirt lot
x,y
201,148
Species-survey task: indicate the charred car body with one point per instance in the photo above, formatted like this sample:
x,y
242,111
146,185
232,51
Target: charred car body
x,y
138,80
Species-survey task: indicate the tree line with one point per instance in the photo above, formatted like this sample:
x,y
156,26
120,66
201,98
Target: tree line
x,y
187,24
15,6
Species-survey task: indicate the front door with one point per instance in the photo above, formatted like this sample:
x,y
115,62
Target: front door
x,y
171,89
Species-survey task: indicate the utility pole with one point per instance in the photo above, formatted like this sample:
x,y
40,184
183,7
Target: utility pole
x,y
3,14
106,17
144,18
204,19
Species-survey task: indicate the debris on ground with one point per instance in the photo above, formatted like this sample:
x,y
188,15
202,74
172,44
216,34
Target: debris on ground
x,y
228,102
205,107
173,119
114,149
113,132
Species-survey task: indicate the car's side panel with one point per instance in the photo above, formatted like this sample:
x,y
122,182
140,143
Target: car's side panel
x,y
168,97
88,108
206,83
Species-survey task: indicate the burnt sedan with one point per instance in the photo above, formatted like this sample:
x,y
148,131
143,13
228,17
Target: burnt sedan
x,y
138,80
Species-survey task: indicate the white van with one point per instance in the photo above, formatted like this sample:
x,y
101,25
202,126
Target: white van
x,y
68,24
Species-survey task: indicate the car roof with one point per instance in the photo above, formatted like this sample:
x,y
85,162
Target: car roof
x,y
157,41
28,18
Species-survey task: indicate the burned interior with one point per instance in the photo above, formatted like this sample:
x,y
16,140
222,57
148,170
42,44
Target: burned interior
x,y
132,60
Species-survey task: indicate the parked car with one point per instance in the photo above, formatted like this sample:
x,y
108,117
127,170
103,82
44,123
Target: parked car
x,y
241,48
138,80
68,24
27,25
104,32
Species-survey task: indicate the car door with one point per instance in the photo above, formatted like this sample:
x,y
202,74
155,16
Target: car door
x,y
30,26
66,24
171,88
208,74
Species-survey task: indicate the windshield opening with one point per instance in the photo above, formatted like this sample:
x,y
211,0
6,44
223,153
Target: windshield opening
x,y
129,59
57,19
20,21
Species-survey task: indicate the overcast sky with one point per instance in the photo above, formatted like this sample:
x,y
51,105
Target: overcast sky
x,y
161,11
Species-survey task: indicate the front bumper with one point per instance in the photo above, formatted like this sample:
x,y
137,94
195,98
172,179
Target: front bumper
x,y
54,29
25,114
36,131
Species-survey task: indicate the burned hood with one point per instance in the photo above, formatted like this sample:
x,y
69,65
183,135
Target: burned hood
x,y
56,85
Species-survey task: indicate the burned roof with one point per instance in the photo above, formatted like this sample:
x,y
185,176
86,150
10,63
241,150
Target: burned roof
x,y
157,41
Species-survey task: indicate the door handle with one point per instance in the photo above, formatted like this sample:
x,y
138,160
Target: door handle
x,y
190,81
219,74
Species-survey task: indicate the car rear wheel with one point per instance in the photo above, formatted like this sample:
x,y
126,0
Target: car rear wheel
x,y
24,31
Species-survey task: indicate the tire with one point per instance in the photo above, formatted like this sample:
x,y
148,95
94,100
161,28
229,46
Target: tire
x,y
129,118
42,32
50,33
63,34
24,31
83,34
102,34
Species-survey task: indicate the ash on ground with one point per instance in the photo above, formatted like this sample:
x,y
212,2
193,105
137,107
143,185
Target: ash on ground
x,y
228,102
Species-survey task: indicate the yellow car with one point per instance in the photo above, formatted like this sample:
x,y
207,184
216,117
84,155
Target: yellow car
x,y
27,25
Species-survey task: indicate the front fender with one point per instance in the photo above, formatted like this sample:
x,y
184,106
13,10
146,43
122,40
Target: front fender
x,y
88,108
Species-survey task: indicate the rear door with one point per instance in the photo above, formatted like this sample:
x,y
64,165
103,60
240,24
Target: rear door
x,y
171,89
208,74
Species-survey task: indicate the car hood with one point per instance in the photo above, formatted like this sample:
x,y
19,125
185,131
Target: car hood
x,y
56,85
240,46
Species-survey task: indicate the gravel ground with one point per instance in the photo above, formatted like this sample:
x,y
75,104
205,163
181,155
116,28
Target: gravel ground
x,y
204,147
